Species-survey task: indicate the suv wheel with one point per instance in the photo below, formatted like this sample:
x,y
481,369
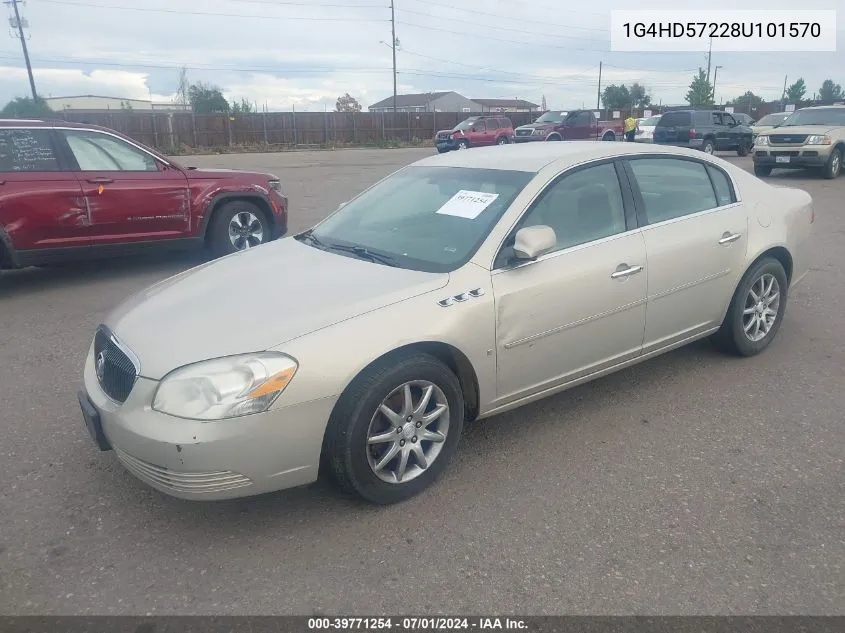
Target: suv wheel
x,y
237,226
463,144
708,147
761,171
743,149
503,140
834,164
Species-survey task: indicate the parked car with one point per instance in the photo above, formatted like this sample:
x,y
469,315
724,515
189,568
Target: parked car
x,y
459,287
743,119
72,191
476,131
548,127
810,138
645,129
707,130
769,123
582,125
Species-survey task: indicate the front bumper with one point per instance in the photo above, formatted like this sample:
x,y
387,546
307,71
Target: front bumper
x,y
796,158
279,206
529,138
445,145
241,457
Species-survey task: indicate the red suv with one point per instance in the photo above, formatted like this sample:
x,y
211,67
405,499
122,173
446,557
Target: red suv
x,y
70,191
475,131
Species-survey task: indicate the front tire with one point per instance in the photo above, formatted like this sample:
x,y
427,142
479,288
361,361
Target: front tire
x,y
834,165
395,428
237,226
463,144
743,149
756,310
761,171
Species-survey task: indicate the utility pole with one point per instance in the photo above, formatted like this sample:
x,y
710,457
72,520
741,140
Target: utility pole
x,y
715,75
709,55
19,24
598,96
393,46
783,94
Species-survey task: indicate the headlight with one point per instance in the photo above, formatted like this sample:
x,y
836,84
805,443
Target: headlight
x,y
225,387
818,139
761,140
538,132
276,185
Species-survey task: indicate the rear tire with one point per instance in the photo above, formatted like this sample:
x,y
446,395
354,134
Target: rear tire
x,y
761,171
236,226
751,324
609,136
708,147
359,417
502,140
834,165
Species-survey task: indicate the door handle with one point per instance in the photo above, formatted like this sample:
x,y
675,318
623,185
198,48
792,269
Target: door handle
x,y
626,272
727,238
101,181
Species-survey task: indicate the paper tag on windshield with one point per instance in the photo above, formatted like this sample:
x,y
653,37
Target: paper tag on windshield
x,y
467,204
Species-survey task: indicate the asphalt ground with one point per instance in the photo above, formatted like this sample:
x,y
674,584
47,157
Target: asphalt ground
x,y
690,484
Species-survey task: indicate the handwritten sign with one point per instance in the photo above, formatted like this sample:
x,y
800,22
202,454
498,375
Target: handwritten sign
x,y
467,204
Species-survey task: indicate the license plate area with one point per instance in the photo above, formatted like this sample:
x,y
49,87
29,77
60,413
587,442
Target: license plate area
x,y
782,159
92,422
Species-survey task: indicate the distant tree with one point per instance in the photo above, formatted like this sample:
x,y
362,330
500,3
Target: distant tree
x,y
747,101
347,103
795,93
615,96
543,102
242,107
207,99
700,90
184,88
27,108
639,96
830,91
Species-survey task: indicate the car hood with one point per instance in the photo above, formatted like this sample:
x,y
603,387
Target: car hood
x,y
447,131
536,126
254,300
217,174
801,130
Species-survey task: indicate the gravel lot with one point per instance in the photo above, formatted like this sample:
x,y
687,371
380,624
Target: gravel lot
x,y
691,484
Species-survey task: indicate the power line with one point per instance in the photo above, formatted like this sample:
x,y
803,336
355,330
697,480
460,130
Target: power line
x,y
18,22
207,13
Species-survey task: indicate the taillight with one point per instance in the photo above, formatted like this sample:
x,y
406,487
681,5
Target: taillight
x,y
692,133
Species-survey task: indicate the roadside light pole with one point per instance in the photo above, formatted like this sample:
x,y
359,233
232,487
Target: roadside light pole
x,y
715,75
393,46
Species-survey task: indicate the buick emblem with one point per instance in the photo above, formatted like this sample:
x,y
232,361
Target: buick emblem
x,y
100,365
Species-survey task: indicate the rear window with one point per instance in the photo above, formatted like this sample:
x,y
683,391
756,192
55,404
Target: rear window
x,y
27,150
674,119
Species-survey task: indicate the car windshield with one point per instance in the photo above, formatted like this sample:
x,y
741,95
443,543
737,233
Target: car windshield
x,y
650,121
465,125
773,119
431,219
551,117
822,116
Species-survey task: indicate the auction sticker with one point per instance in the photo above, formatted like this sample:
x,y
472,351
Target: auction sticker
x,y
467,204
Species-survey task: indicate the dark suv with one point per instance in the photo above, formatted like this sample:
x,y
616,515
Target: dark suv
x,y
475,131
707,130
70,191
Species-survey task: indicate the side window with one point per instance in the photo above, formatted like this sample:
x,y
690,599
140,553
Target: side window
x,y
585,119
727,119
724,192
506,123
100,152
479,126
581,207
672,188
717,118
27,150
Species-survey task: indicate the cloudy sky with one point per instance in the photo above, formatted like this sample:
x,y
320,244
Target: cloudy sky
x,y
304,53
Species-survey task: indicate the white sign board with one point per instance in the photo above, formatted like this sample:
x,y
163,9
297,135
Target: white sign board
x,y
790,107
616,114
597,115
467,204
729,109
646,113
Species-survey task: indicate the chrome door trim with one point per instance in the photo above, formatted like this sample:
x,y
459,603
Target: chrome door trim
x,y
671,291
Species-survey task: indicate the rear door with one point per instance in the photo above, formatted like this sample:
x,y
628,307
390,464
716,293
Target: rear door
x,y
41,204
132,195
696,234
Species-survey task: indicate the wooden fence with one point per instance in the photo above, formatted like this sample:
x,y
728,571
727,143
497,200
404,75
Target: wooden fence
x,y
181,132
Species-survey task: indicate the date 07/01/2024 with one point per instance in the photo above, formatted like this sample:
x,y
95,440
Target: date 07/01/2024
x,y
680,30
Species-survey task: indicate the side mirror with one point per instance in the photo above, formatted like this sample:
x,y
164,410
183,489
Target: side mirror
x,y
533,241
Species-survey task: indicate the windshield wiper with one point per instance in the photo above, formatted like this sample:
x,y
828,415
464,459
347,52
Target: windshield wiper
x,y
364,253
309,235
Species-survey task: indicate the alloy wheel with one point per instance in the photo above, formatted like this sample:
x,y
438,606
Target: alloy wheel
x,y
761,307
407,431
245,230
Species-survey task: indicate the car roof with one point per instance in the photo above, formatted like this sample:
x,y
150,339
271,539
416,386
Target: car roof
x,y
825,107
48,123
532,157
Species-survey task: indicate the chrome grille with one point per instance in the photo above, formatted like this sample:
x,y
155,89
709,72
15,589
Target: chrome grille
x,y
785,153
116,371
198,482
524,132
787,139
443,136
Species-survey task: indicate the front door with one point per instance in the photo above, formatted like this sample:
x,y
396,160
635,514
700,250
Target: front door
x,y
41,205
581,307
723,132
696,234
132,196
